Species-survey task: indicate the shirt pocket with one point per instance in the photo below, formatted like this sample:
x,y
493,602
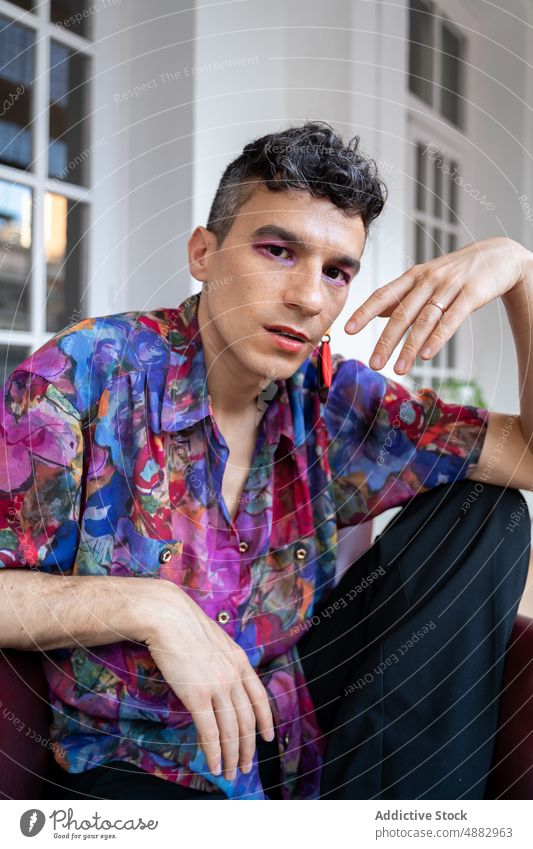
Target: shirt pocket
x,y
134,554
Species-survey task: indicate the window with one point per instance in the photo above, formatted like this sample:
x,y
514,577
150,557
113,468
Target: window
x,y
437,231
436,77
436,61
45,171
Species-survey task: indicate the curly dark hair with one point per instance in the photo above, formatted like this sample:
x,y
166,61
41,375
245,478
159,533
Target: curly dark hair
x,y
312,158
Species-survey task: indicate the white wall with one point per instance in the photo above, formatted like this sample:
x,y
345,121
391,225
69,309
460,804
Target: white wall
x,y
143,173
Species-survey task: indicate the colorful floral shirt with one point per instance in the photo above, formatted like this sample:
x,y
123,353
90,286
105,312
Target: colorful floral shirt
x,y
111,463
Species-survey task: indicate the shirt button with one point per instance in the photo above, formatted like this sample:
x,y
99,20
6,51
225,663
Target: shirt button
x,y
286,739
243,546
164,555
301,553
223,617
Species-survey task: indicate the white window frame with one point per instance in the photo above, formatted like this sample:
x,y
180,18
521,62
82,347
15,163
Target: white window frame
x,y
438,19
37,179
427,125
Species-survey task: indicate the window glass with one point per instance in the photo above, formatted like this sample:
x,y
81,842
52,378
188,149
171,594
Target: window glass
x,y
11,356
420,178
438,164
16,79
421,51
15,255
64,231
69,154
74,15
451,81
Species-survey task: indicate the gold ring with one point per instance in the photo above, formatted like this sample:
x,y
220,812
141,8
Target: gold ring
x,y
438,304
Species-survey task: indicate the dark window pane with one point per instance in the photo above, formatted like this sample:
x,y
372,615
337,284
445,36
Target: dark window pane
x,y
436,247
68,152
453,210
16,79
421,51
74,15
421,187
438,164
451,82
64,229
420,242
452,242
451,351
15,256
11,356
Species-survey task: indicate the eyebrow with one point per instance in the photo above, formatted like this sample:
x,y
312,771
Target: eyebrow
x,y
293,238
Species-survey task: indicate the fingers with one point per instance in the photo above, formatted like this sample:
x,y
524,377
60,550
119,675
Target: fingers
x,y
207,731
260,704
428,319
381,301
413,310
229,733
449,323
246,721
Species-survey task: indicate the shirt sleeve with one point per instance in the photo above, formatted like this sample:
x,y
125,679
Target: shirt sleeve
x,y
41,461
387,443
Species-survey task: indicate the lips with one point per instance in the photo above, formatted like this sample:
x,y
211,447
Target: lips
x,y
290,332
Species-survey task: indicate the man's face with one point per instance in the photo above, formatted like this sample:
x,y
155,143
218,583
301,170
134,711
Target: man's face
x,y
287,262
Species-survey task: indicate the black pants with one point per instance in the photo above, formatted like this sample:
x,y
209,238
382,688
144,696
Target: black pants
x,y
405,660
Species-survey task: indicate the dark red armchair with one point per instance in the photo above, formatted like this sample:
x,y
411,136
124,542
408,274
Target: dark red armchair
x,y
26,751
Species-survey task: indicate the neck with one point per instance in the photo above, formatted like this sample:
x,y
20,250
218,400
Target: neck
x,y
232,389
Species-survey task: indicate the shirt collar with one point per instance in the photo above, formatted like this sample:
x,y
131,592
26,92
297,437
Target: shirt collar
x,y
186,399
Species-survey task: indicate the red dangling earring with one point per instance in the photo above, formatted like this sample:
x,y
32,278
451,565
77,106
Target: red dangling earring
x,y
324,367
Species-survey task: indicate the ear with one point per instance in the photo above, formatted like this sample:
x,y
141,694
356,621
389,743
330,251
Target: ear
x,y
200,245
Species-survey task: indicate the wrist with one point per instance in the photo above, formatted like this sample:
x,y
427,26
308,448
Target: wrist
x,y
523,287
151,603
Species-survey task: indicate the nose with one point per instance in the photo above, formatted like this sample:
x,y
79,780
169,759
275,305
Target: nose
x,y
304,290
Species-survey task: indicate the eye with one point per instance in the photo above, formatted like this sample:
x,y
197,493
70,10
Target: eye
x,y
277,251
336,274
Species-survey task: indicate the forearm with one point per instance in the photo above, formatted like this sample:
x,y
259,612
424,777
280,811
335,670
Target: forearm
x,y
39,611
519,307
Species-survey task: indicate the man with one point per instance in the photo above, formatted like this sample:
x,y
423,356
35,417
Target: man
x,y
183,460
